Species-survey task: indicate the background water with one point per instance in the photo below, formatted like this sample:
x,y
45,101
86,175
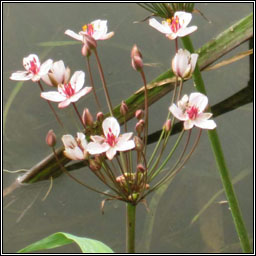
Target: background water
x,y
71,208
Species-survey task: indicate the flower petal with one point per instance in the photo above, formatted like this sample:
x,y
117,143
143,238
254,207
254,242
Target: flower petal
x,y
111,123
64,103
74,35
177,112
184,18
53,96
77,80
45,67
95,148
188,124
125,145
80,94
199,100
202,121
98,139
158,26
74,153
21,76
186,31
69,141
111,153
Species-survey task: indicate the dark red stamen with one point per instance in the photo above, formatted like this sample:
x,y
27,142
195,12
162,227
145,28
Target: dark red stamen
x,y
90,29
111,139
175,25
68,90
33,67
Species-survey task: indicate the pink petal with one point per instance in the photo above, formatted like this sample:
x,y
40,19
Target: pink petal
x,y
53,96
64,103
186,31
112,124
74,153
172,36
69,141
95,148
199,100
80,94
21,76
202,121
177,112
45,67
126,145
111,153
106,36
188,124
58,70
98,139
27,60
158,26
184,18
74,35
77,80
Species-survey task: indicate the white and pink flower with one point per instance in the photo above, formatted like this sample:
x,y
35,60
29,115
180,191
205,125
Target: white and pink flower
x,y
68,92
97,30
175,27
58,74
183,63
75,149
190,110
33,69
112,141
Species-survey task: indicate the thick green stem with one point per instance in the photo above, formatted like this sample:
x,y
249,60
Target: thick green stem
x,y
220,160
130,227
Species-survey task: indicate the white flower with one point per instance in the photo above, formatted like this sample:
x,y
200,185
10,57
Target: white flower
x,y
175,27
33,69
69,92
75,149
112,141
57,74
97,29
183,63
190,110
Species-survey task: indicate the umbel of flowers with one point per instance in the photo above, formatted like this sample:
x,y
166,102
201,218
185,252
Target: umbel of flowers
x,y
119,159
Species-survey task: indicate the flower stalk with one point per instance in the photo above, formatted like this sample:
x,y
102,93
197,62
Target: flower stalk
x,y
130,227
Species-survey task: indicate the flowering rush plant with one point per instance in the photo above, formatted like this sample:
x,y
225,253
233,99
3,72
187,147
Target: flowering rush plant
x,y
120,159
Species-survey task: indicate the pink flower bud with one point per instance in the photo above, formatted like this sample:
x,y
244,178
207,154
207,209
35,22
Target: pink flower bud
x,y
123,108
99,117
139,114
87,117
167,125
136,57
140,126
50,138
141,168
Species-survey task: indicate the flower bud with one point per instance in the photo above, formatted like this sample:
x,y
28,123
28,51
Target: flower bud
x,y
94,165
141,168
167,125
140,126
183,63
139,145
99,117
139,114
123,108
137,62
50,138
87,117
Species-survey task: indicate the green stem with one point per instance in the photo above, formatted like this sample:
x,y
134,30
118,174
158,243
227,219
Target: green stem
x,y
130,227
220,160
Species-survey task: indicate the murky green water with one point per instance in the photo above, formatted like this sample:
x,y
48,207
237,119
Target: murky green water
x,y
71,208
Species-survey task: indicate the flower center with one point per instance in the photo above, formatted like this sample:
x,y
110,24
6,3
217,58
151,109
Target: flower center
x,y
33,67
88,28
68,90
192,112
174,23
111,138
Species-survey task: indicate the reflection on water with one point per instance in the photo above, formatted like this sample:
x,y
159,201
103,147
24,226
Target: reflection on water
x,y
71,208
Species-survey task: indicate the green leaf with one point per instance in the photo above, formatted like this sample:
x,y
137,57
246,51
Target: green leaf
x,y
59,239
